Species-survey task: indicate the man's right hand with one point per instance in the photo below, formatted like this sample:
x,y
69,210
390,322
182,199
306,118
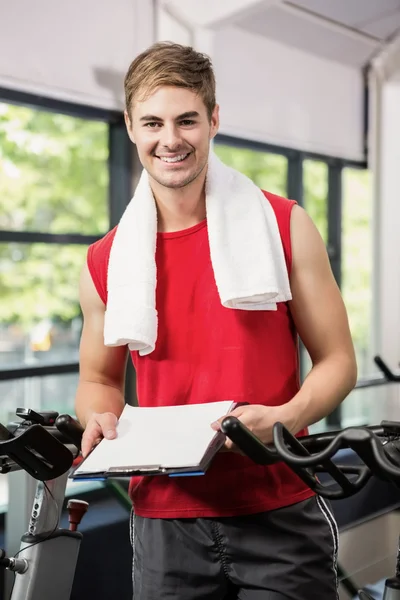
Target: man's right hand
x,y
98,426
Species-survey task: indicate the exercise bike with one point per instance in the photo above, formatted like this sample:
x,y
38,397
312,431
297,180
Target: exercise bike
x,y
44,445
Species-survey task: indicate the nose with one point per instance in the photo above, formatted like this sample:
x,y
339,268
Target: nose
x,y
170,137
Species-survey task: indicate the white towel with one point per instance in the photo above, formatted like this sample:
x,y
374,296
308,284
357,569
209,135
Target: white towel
x,y
245,248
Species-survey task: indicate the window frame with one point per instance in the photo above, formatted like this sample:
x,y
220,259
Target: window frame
x,y
121,166
295,190
119,192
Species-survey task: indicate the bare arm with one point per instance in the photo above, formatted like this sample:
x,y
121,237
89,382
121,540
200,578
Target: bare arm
x,y
321,321
100,394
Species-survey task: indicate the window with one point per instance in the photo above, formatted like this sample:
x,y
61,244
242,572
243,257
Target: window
x,y
315,201
51,392
267,170
39,310
362,406
53,172
357,262
54,180
315,194
338,198
54,186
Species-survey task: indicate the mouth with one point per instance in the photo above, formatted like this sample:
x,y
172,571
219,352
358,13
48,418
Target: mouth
x,y
176,159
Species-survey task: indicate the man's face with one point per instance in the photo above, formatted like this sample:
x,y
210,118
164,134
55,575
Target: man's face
x,y
172,134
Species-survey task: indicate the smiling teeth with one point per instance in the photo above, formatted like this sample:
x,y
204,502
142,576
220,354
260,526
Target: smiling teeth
x,y
174,159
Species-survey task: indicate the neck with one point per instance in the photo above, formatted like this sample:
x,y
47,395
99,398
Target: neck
x,y
181,208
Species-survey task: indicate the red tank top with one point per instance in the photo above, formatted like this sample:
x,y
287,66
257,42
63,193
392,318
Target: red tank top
x,y
205,353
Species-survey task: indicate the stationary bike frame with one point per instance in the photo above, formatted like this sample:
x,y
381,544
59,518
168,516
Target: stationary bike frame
x,y
45,565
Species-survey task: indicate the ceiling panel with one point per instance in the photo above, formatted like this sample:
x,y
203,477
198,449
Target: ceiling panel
x,y
293,30
349,12
384,27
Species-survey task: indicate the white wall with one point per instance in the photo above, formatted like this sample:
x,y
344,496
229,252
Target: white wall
x,y
81,51
77,51
389,224
276,94
169,29
384,161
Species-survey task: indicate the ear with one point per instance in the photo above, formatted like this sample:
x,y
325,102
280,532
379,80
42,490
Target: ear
x,y
214,125
129,127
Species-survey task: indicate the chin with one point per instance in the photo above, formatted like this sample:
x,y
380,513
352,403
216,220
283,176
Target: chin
x,y
175,180
175,183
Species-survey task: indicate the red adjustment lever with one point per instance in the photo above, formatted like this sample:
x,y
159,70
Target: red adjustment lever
x,y
76,510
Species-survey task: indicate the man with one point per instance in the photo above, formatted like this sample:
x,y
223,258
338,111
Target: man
x,y
242,530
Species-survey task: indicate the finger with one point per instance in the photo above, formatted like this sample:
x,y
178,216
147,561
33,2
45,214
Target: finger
x,y
108,423
99,426
237,412
92,435
88,441
231,447
216,425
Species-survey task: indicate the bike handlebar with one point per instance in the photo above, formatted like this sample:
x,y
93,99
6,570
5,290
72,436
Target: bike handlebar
x,y
388,373
377,446
48,451
44,451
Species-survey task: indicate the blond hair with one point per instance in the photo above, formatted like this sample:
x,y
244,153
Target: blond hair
x,y
170,64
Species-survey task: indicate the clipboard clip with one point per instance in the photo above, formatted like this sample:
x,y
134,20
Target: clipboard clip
x,y
143,469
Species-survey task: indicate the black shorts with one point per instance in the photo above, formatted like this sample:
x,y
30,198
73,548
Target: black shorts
x,y
284,554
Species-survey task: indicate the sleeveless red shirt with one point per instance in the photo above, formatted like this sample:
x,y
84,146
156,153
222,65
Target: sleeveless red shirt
x,y
206,353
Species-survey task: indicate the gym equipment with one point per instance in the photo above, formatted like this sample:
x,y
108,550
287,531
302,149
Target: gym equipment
x,y
377,446
390,377
44,445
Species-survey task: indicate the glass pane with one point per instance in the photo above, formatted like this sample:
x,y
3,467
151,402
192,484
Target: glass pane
x,y
370,406
315,200
53,172
52,392
315,194
268,171
40,320
357,263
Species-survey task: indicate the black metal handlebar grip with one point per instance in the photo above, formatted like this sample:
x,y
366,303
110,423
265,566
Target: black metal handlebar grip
x,y
298,459
388,373
282,437
247,442
362,440
261,454
38,453
71,429
5,434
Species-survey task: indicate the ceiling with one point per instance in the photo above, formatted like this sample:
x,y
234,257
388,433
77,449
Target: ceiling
x,y
379,18
347,31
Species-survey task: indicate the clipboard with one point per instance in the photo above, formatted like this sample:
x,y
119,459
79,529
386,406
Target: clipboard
x,y
196,416
153,470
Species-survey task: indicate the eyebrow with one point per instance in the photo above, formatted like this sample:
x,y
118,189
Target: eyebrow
x,y
187,115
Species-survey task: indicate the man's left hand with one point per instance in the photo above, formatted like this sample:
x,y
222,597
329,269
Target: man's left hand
x,y
258,419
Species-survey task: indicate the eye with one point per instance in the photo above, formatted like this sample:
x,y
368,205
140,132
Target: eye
x,y
187,122
152,125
